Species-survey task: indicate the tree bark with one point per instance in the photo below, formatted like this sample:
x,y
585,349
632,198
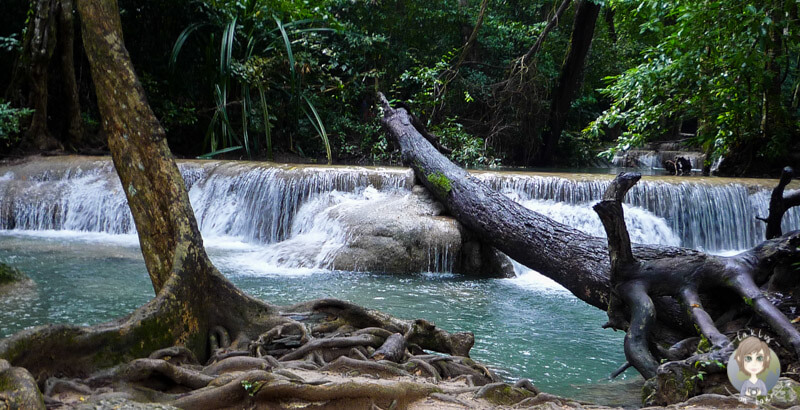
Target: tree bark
x,y
165,222
50,31
633,282
66,49
570,79
195,307
40,49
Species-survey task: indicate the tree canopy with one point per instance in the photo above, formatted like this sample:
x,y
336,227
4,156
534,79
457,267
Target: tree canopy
x,y
499,82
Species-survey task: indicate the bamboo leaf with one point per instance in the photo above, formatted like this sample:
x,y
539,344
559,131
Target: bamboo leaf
x,y
288,45
267,131
226,48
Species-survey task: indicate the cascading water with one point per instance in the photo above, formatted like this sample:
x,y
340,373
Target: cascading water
x,y
704,215
287,216
259,204
287,221
656,159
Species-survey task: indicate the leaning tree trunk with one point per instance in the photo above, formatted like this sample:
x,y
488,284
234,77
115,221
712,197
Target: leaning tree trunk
x,y
197,313
632,282
571,77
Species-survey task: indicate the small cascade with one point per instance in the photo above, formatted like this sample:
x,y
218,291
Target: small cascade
x,y
643,226
80,200
250,201
440,259
259,203
709,216
656,159
290,217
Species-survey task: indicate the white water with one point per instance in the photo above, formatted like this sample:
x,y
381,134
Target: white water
x,y
656,159
282,220
711,217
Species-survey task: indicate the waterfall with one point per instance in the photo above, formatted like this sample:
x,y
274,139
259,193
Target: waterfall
x,y
254,202
259,203
655,159
286,215
710,216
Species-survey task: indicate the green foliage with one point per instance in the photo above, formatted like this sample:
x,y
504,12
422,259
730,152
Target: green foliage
x,y
716,61
703,365
10,119
10,43
252,387
170,113
468,150
256,53
424,83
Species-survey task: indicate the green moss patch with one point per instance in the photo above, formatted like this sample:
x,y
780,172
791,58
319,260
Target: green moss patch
x,y
440,183
9,274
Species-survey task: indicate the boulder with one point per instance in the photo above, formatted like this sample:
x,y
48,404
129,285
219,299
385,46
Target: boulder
x,y
18,389
406,234
785,394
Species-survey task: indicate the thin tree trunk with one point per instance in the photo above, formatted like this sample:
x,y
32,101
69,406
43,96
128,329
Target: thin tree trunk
x,y
66,47
547,29
571,77
42,30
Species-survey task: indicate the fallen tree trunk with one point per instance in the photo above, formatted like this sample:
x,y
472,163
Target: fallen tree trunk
x,y
530,238
644,279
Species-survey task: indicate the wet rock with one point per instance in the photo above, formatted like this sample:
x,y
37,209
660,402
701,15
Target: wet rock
x,y
18,389
785,394
12,281
398,234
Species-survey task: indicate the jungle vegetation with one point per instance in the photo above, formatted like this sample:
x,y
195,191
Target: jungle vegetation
x,y
502,82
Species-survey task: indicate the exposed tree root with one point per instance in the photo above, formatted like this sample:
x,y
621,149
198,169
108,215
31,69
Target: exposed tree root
x,y
172,376
779,203
636,282
393,349
672,302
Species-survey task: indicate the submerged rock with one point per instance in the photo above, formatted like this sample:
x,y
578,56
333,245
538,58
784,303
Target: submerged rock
x,y
9,274
12,280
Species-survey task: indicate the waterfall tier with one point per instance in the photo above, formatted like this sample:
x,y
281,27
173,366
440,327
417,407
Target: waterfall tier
x,y
266,204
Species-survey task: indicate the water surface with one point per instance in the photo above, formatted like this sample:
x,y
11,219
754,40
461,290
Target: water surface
x,y
524,327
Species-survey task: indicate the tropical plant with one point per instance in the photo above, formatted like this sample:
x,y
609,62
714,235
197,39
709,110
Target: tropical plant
x,y
10,119
725,63
252,55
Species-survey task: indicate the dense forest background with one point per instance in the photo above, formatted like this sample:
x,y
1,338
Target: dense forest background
x,y
500,82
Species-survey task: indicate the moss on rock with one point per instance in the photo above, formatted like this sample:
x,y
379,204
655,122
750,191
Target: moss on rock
x,y
786,393
9,274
